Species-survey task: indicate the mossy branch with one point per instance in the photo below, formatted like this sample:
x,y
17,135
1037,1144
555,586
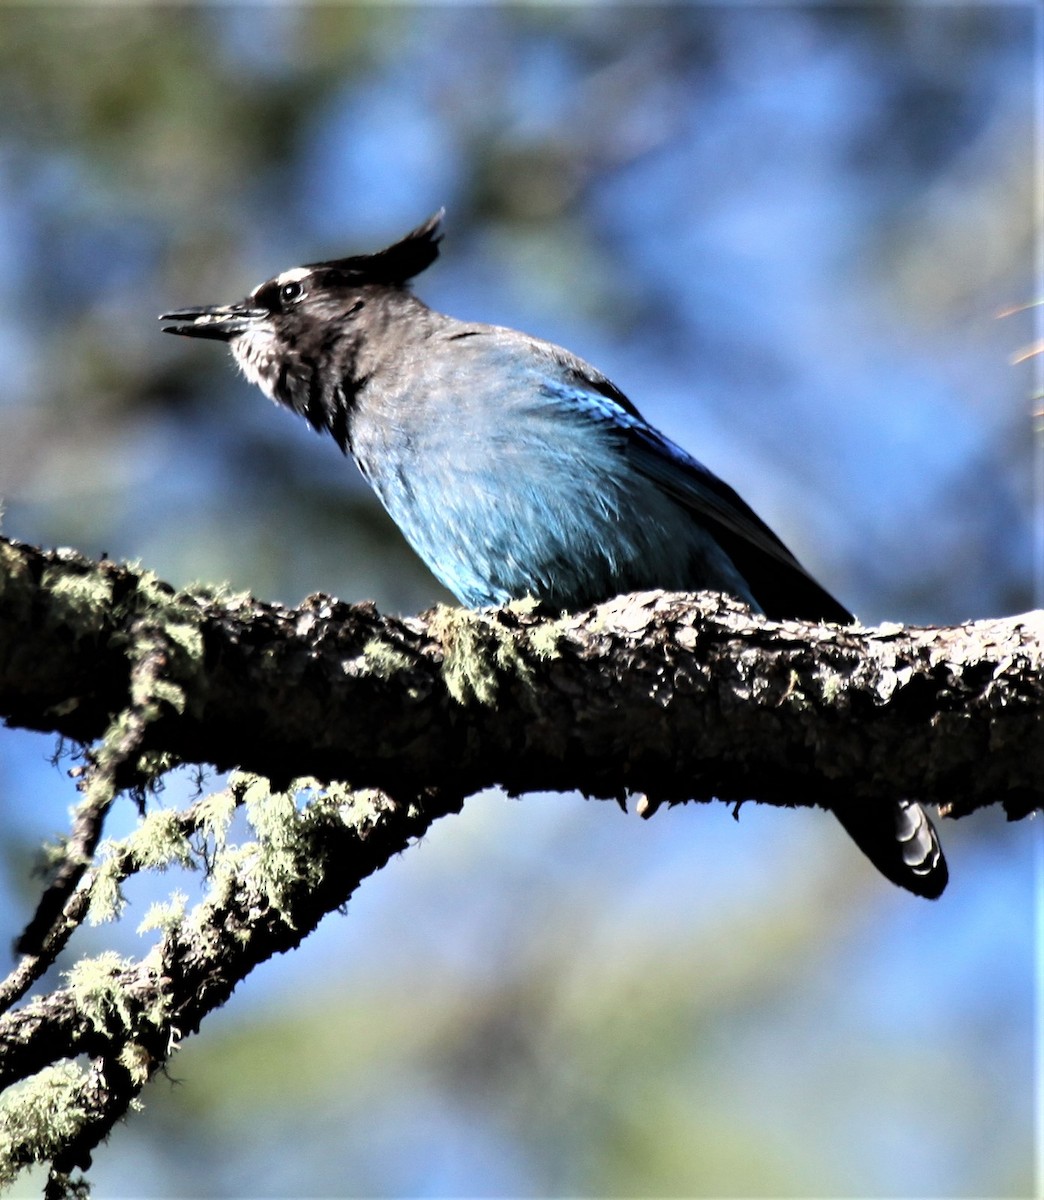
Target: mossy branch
x,y
675,696
682,697
263,897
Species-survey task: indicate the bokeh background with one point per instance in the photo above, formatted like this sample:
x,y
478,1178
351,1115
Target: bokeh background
x,y
786,233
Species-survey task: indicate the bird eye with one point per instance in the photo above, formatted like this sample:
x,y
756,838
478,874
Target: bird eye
x,y
290,292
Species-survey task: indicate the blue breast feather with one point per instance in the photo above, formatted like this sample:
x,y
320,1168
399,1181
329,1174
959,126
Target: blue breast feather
x,y
537,477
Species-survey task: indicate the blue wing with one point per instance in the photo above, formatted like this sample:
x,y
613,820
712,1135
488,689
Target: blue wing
x,y
779,583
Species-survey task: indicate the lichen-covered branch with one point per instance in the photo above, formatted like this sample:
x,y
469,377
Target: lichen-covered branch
x,y
128,1017
681,697
394,722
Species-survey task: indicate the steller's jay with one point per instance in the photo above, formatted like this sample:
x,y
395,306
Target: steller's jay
x,y
516,469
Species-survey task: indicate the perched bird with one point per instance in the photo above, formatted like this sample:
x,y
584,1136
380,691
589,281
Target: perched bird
x,y
516,469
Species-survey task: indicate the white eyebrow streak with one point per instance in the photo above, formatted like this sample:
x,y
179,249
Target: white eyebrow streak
x,y
294,275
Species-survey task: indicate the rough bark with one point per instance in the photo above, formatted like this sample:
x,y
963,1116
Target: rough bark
x,y
394,722
683,697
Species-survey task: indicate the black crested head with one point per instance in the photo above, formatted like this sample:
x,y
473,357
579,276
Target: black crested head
x,y
312,337
326,284
395,264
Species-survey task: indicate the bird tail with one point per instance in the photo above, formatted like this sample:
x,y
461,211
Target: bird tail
x,y
901,842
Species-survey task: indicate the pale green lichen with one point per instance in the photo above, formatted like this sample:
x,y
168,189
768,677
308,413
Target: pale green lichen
x,y
12,568
54,853
159,842
157,1011
545,639
121,731
40,1116
285,855
154,763
270,860
468,654
795,694
187,637
346,798
229,865
215,815
98,991
81,598
355,809
383,659
147,695
137,1061
288,824
107,899
156,621
478,649
164,915
206,592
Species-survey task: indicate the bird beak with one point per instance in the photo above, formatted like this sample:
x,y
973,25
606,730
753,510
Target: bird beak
x,y
222,322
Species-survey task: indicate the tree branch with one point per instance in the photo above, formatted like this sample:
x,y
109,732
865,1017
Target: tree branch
x,y
128,1017
677,696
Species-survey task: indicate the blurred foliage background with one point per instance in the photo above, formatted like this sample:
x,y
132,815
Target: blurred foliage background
x,y
785,232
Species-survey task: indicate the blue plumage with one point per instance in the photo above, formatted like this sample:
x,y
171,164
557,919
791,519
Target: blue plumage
x,y
511,479
516,469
